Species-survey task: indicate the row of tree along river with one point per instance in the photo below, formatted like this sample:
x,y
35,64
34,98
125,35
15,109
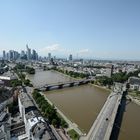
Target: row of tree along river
x,y
82,104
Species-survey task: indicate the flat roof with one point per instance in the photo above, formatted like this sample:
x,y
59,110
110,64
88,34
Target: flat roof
x,y
8,76
25,100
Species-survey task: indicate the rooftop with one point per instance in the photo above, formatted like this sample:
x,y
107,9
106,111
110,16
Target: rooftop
x,y
35,121
25,100
134,81
39,129
8,76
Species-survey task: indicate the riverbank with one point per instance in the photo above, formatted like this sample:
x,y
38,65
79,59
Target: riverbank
x,y
89,90
105,88
71,124
134,99
66,75
102,87
86,107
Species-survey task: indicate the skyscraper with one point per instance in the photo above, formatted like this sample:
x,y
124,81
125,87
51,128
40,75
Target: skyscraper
x,y
34,55
22,54
11,54
7,56
28,52
15,55
4,55
70,57
49,56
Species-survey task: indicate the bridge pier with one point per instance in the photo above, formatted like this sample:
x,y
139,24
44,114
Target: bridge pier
x,y
60,86
71,85
48,88
86,82
81,83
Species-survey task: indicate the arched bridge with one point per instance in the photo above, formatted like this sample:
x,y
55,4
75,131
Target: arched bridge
x,y
61,85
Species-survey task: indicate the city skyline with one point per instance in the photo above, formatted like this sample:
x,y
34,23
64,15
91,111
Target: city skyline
x,y
87,29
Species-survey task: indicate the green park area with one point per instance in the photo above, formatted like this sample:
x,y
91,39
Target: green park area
x,y
73,134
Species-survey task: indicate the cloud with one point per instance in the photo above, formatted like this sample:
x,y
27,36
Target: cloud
x,y
55,49
52,48
84,51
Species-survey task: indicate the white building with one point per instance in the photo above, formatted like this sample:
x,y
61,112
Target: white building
x,y
8,76
35,125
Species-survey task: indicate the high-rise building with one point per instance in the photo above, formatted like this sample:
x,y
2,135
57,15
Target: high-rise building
x,y
22,54
26,55
7,56
70,57
34,55
52,61
15,55
28,52
11,54
49,56
4,55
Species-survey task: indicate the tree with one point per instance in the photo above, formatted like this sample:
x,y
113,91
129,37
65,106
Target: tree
x,y
103,80
43,107
39,101
30,70
19,66
27,82
137,93
48,110
16,82
54,122
63,123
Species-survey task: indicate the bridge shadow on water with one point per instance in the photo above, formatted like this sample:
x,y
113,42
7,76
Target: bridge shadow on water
x,y
119,117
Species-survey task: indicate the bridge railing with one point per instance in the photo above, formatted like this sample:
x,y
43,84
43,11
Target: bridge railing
x,y
63,83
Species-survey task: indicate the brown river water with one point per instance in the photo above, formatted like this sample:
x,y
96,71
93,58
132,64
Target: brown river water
x,y
82,104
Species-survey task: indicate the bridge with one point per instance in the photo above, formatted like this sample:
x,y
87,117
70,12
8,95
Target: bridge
x,y
61,85
103,125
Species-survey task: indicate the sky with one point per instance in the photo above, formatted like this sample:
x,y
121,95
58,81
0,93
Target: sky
x,y
104,29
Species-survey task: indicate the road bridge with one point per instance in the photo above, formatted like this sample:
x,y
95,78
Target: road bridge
x,y
103,125
61,85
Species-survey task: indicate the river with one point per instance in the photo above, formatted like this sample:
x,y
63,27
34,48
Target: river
x,y
82,104
48,77
130,127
